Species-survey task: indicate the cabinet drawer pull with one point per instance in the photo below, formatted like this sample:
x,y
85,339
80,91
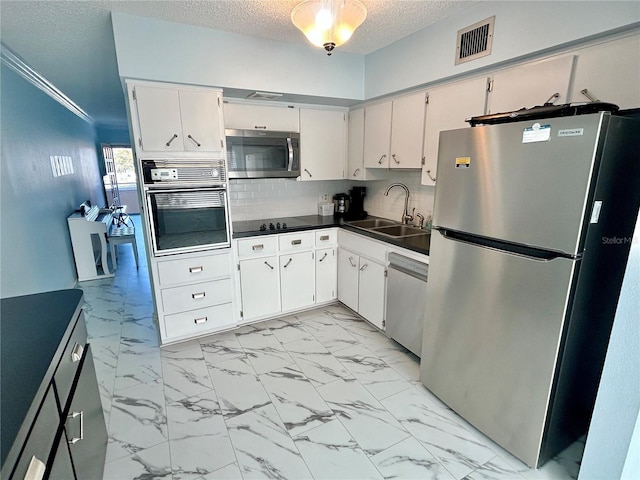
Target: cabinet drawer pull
x,y
352,263
323,257
355,173
381,159
196,269
324,237
261,127
257,247
288,262
198,295
267,264
76,352
200,321
296,242
198,144
364,267
36,469
81,437
433,179
395,159
168,144
308,173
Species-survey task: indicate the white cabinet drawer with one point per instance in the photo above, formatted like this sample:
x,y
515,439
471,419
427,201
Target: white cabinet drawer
x,y
199,295
197,269
291,242
326,237
257,246
199,321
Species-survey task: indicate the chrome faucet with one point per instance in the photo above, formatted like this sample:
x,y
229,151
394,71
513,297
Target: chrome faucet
x,y
406,218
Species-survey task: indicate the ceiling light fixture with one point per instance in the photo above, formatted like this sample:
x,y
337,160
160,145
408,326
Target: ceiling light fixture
x,y
328,23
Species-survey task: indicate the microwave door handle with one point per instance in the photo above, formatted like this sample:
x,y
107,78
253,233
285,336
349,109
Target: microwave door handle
x,y
290,147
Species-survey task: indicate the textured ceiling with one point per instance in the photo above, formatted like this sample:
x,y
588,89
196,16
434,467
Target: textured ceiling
x,y
71,42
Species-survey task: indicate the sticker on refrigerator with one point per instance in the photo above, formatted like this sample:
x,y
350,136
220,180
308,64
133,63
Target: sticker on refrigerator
x,y
536,133
463,162
571,132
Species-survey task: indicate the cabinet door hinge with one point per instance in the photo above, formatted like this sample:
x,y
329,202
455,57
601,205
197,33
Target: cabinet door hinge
x,y
218,101
221,144
134,94
385,273
423,161
238,267
140,142
384,323
241,314
489,85
426,99
313,297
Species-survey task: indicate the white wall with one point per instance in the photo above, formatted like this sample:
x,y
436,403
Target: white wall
x,y
612,442
153,49
522,28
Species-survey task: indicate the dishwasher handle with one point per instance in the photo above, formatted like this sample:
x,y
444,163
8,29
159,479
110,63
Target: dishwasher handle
x,y
409,266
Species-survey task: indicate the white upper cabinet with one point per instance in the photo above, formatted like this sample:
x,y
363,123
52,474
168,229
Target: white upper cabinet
x,y
530,85
170,120
244,116
448,106
377,135
355,146
393,132
407,128
323,144
609,72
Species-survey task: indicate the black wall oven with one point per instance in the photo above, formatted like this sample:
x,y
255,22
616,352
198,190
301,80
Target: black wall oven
x,y
187,206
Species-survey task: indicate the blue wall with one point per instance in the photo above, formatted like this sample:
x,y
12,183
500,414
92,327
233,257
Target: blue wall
x,y
35,248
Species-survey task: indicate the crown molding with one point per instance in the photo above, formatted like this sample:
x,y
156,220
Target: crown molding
x,y
22,68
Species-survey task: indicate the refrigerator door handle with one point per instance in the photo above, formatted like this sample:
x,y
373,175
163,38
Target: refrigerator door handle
x,y
532,253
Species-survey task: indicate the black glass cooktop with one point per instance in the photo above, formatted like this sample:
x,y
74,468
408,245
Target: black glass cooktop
x,y
281,224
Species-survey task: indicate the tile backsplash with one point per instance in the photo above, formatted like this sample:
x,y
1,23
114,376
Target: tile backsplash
x,y
254,199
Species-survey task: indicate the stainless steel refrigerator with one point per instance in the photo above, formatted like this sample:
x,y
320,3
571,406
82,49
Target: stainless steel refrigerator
x,y
532,229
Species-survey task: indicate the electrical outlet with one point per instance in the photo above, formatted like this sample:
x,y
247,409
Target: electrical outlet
x,y
323,197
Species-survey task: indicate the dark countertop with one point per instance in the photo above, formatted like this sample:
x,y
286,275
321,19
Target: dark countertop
x,y
251,228
35,329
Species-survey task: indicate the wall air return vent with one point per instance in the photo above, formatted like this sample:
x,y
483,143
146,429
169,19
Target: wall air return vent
x,y
475,41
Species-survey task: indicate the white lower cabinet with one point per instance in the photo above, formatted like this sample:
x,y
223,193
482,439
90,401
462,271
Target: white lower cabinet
x,y
297,280
326,275
348,264
194,294
260,287
286,272
361,285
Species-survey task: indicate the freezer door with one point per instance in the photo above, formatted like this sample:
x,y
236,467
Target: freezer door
x,y
491,338
520,182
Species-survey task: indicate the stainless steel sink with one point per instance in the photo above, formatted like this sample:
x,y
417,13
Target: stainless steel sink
x,y
372,223
399,231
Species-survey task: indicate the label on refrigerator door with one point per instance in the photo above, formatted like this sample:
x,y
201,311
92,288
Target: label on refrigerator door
x,y
571,132
536,133
595,213
463,162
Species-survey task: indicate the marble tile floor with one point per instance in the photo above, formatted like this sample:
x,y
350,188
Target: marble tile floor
x,y
317,395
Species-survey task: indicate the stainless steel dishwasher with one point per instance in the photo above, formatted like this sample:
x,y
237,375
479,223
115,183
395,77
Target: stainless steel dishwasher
x,y
406,308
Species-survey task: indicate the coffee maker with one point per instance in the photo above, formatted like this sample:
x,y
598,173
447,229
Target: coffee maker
x,y
356,208
341,205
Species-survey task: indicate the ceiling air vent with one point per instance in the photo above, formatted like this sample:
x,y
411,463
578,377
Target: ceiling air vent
x,y
474,41
264,95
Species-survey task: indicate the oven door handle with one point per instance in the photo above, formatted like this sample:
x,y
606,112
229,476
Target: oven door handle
x,y
290,148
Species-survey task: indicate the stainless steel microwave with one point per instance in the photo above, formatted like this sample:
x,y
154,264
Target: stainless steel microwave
x,y
262,154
